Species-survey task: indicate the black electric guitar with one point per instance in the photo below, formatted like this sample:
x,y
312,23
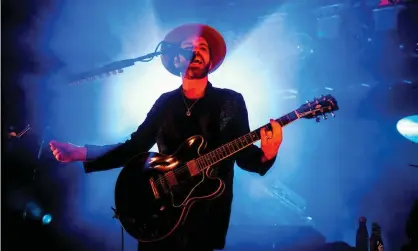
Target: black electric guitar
x,y
154,192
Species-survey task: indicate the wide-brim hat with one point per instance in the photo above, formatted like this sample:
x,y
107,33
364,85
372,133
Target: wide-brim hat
x,y
215,41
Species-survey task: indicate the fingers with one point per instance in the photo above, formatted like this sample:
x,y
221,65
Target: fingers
x,y
57,149
275,126
273,136
263,133
277,130
56,144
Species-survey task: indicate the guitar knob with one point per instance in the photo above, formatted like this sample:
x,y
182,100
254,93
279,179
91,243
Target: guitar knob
x,y
325,116
307,101
318,119
332,114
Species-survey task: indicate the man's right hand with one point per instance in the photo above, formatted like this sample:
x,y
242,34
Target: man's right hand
x,y
66,152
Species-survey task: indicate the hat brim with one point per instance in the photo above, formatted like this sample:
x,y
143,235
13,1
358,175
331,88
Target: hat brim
x,y
214,39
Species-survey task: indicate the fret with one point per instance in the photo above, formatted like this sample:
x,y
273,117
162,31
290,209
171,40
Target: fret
x,y
226,149
203,161
199,164
212,158
231,147
281,121
254,136
232,144
224,154
207,160
238,144
219,153
242,143
248,139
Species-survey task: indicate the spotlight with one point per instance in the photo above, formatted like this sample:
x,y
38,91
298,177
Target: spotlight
x,y
46,219
35,213
408,127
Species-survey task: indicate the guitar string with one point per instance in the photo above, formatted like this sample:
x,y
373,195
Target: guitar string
x,y
183,168
239,140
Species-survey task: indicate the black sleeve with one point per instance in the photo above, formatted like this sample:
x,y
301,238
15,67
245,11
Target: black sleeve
x,y
106,157
250,158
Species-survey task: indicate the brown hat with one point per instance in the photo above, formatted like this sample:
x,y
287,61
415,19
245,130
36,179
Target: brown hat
x,y
215,41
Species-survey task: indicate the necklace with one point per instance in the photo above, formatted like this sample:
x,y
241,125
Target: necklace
x,y
189,109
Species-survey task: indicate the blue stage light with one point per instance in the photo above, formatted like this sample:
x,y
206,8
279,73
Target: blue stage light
x,y
46,219
408,127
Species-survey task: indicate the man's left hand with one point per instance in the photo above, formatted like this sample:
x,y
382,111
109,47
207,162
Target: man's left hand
x,y
271,140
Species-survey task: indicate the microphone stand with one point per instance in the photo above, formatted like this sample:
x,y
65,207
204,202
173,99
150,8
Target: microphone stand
x,y
106,71
113,68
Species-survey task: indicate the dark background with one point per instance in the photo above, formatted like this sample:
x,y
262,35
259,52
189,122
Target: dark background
x,y
389,99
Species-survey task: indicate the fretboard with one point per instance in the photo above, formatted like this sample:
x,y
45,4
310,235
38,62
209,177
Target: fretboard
x,y
240,143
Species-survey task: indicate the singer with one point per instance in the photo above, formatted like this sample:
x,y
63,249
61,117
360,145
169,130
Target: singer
x,y
195,108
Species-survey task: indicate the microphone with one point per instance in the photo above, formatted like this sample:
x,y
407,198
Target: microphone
x,y
172,49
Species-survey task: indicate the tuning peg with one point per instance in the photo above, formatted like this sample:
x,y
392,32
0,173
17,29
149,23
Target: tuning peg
x,y
332,114
325,116
318,119
307,101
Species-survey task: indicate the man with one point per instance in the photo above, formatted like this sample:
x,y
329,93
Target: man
x,y
196,108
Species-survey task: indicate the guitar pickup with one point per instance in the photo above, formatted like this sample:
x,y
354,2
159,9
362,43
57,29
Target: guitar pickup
x,y
193,168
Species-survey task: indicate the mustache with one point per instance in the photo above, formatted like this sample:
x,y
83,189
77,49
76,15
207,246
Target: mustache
x,y
199,57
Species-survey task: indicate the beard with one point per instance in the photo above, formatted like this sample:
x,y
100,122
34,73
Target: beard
x,y
193,72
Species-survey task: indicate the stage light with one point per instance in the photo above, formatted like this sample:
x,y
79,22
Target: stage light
x,y
46,219
408,127
33,212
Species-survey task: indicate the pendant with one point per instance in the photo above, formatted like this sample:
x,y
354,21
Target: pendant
x,y
188,113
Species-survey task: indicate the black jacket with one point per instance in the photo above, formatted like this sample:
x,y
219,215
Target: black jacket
x,y
220,116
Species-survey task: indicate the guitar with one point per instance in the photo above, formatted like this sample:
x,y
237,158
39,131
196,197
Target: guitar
x,y
154,192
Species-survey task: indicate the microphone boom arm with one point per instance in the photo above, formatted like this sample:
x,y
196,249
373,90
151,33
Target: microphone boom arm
x,y
113,68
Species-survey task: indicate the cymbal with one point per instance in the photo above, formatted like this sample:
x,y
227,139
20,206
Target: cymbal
x,y
408,127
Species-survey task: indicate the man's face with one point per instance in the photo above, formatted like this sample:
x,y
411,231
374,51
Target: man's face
x,y
200,67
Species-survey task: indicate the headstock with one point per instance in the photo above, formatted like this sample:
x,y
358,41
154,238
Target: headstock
x,y
318,108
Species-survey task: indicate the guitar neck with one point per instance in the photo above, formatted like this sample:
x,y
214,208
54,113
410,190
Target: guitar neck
x,y
240,143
